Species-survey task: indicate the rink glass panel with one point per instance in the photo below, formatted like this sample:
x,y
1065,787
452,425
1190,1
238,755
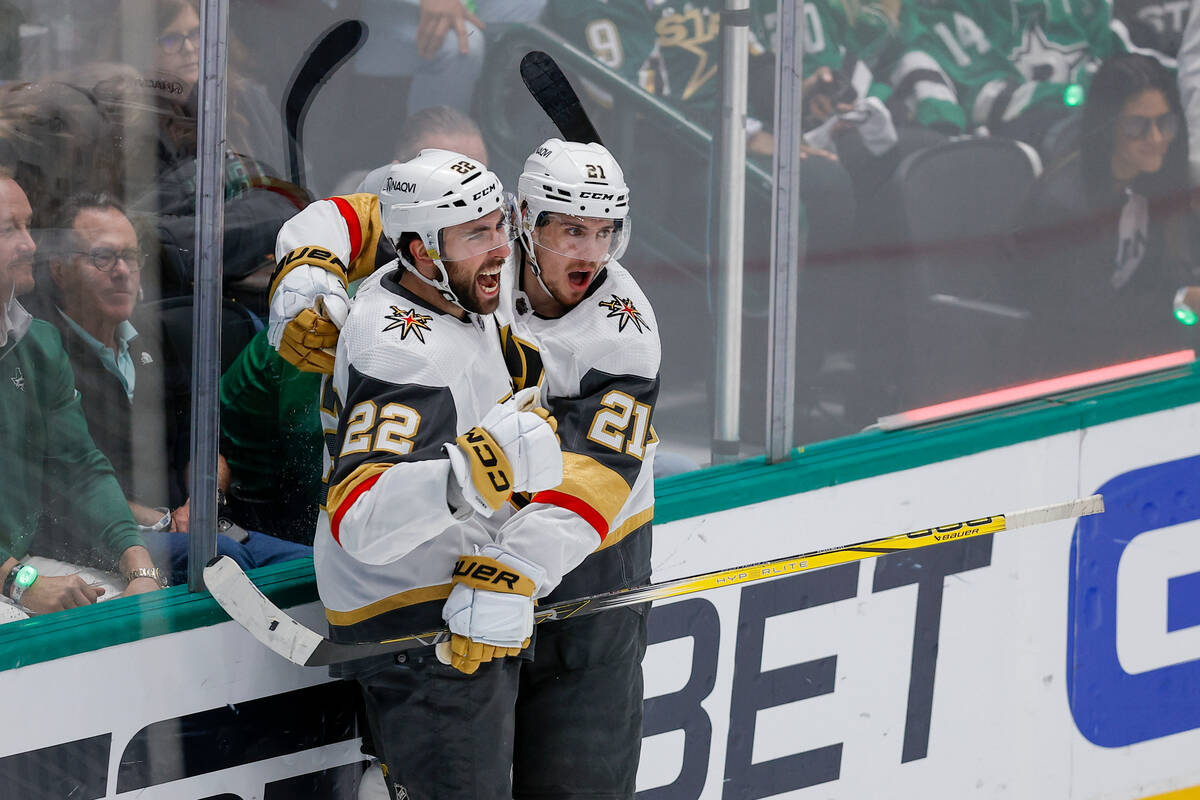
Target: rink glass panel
x,y
913,289
89,107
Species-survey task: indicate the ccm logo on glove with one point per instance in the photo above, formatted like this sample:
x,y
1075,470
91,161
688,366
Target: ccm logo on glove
x,y
481,445
490,468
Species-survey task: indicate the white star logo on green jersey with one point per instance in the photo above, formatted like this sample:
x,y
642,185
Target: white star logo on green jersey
x,y
1039,59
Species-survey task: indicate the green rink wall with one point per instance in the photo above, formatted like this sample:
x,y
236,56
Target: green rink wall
x,y
829,463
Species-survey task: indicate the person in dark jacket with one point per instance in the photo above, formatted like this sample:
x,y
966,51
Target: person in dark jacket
x,y
136,407
1104,238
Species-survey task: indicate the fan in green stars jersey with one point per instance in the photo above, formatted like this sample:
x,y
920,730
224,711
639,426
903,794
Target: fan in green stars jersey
x,y
1003,61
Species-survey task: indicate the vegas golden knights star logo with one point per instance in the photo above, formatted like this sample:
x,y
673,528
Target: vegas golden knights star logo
x,y
408,321
622,308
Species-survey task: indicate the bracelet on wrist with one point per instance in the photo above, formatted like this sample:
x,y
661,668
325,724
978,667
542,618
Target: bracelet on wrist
x,y
8,579
19,579
152,573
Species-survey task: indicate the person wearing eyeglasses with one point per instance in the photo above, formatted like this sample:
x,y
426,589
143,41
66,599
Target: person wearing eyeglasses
x,y
49,462
135,403
178,53
1105,234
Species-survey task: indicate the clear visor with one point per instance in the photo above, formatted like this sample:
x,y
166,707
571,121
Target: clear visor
x,y
490,232
593,240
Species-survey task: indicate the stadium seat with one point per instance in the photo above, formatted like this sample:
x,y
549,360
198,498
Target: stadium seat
x,y
965,306
238,326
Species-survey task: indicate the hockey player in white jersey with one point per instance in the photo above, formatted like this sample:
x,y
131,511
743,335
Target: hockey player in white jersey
x,y
425,445
598,346
574,319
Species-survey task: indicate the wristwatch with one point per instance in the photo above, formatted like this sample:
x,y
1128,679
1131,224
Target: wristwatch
x,y
146,572
20,578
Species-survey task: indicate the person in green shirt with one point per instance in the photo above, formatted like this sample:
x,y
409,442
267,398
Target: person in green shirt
x,y
47,456
271,438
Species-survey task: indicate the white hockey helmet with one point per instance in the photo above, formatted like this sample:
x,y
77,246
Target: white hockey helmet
x,y
439,189
577,180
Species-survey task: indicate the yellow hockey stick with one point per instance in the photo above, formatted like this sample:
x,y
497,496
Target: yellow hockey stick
x,y
243,601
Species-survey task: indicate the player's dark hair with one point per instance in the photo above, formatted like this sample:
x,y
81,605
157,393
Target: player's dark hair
x,y
87,201
1118,80
404,249
75,205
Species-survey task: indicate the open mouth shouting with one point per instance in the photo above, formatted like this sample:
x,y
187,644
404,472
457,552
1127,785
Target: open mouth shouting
x,y
488,281
579,279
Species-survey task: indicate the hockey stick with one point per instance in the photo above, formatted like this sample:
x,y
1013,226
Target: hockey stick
x,y
248,606
329,51
553,92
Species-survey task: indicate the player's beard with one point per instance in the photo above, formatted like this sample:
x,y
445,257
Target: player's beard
x,y
465,288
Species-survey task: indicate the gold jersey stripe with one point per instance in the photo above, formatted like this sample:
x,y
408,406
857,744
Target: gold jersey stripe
x,y
411,597
627,527
595,484
338,494
366,206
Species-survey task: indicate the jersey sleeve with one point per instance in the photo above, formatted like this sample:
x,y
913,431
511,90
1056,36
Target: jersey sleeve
x,y
387,486
607,434
923,68
340,234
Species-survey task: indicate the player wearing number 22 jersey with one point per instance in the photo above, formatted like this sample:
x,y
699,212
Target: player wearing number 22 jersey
x,y
572,320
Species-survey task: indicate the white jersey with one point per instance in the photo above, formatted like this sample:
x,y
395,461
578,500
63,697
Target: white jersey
x,y
407,380
600,364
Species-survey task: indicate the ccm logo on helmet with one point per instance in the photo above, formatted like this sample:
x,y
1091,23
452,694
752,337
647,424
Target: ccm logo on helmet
x,y
485,192
542,151
400,186
595,196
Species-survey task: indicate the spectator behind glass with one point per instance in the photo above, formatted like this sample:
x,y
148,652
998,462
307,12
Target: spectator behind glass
x,y
674,53
59,141
271,437
443,127
257,198
128,396
1153,24
1104,234
427,51
48,460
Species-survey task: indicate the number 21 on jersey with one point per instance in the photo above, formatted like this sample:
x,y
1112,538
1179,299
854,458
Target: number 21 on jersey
x,y
622,424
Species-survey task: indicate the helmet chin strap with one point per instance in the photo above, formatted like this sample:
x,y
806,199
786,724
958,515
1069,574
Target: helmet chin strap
x,y
442,286
534,267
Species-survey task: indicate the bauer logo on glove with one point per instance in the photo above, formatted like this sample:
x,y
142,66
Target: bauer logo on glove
x,y
480,572
309,305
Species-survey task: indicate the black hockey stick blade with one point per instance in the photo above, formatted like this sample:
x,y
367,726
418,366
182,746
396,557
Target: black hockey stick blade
x,y
249,607
553,92
328,52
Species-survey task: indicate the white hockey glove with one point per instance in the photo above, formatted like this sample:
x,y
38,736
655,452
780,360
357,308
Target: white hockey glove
x,y
490,607
308,308
513,449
